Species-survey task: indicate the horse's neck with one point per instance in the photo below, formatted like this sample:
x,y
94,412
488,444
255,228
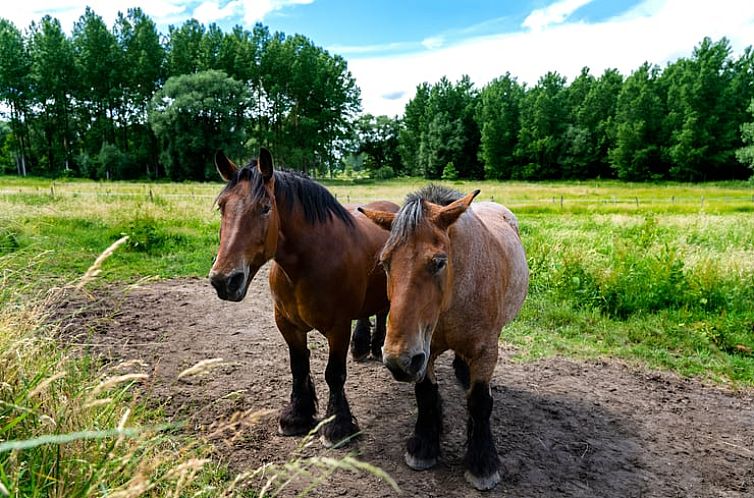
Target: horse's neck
x,y
301,244
468,238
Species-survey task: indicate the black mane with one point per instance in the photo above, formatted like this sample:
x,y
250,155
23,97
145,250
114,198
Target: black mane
x,y
318,204
412,213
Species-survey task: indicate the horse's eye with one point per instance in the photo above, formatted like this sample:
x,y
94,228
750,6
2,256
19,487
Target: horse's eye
x,y
266,209
437,263
385,264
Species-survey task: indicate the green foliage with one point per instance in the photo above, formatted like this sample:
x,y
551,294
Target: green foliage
x,y
378,142
440,128
449,172
640,290
148,235
193,116
498,115
53,74
69,97
746,153
310,99
637,154
543,124
681,123
384,173
9,239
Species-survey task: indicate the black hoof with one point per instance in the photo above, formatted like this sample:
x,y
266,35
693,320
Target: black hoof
x,y
339,432
377,354
360,348
359,356
482,483
422,452
295,424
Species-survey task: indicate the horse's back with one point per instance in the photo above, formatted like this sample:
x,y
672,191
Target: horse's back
x,y
504,244
496,217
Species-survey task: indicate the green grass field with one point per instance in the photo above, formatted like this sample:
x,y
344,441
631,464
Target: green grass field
x,y
658,275
662,274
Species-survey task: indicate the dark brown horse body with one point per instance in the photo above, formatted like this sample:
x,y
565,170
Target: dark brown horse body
x,y
324,274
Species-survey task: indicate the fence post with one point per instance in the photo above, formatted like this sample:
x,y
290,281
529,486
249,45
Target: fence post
x,y
561,202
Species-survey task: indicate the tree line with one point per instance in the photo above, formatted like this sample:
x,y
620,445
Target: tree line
x,y
690,121
128,101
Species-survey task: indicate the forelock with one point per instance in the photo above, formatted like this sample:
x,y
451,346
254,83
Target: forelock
x,y
414,212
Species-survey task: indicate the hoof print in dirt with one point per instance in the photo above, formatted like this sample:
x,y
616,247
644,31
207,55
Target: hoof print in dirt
x,y
417,463
482,483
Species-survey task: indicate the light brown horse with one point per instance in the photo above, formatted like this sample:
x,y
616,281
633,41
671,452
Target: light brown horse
x,y
324,273
456,275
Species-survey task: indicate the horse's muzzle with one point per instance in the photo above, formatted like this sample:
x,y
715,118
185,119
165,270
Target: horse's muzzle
x,y
406,367
231,287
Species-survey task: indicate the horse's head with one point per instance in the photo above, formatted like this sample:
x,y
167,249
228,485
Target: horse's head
x,y
249,224
417,259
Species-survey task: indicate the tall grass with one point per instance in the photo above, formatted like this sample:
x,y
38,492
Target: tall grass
x,y
672,291
70,426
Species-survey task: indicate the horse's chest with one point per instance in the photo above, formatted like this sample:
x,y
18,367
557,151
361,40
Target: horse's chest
x,y
310,304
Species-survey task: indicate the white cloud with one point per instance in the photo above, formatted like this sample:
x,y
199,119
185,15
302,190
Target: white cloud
x,y
555,13
433,42
163,12
656,31
68,11
370,49
210,11
256,10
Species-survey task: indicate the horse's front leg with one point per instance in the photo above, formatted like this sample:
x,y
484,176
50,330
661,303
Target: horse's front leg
x,y
297,417
343,426
482,462
423,448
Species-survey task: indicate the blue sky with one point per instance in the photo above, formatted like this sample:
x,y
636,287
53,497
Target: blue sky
x,y
393,45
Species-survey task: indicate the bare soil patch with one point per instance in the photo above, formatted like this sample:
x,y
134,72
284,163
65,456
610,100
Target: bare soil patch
x,y
562,427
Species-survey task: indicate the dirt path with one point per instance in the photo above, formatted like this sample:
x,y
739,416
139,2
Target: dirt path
x,y
562,428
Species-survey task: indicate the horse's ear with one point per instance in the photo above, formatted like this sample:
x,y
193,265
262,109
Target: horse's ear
x,y
225,167
450,213
383,219
265,164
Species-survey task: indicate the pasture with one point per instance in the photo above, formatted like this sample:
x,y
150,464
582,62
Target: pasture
x,y
626,280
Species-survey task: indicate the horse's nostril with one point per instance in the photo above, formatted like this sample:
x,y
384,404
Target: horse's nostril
x,y
235,281
217,282
417,362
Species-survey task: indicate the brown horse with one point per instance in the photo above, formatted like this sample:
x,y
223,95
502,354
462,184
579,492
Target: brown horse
x,y
456,275
324,274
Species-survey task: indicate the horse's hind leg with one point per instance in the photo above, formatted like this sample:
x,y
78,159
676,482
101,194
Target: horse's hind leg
x,y
378,338
360,340
461,369
423,448
482,463
297,417
344,426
